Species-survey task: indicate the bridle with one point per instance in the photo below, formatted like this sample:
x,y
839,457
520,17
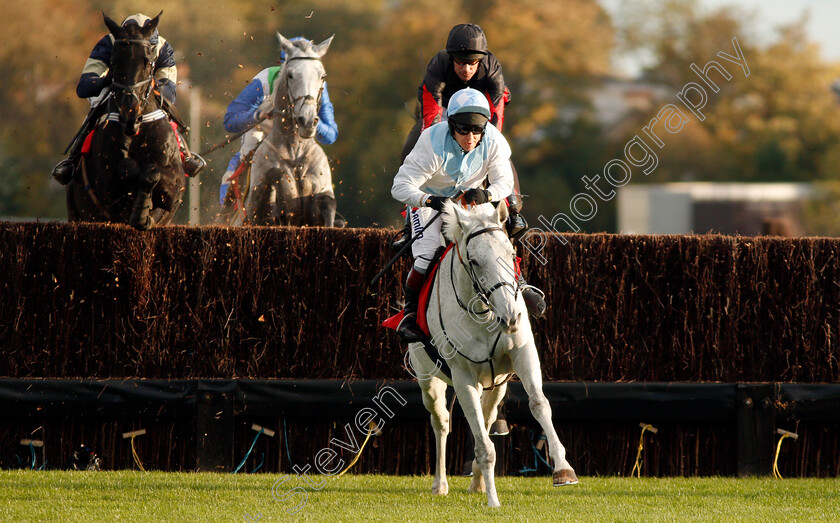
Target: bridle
x,y
480,292
483,295
306,98
129,90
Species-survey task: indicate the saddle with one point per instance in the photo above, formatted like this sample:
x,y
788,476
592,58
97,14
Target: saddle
x,y
394,321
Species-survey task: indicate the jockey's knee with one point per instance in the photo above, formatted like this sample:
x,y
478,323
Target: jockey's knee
x,y
422,262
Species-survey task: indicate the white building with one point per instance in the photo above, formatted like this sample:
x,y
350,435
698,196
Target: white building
x,y
701,207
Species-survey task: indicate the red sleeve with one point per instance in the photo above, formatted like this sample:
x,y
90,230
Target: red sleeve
x,y
497,112
431,109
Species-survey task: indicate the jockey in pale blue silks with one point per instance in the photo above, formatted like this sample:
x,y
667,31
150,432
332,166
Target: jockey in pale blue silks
x,y
462,156
249,107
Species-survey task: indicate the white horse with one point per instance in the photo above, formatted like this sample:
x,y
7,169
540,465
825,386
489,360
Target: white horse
x,y
290,182
479,324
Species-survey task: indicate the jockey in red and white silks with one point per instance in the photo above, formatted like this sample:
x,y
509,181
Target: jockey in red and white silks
x,y
450,158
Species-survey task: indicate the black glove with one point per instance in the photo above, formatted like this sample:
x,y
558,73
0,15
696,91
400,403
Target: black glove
x,y
477,196
435,202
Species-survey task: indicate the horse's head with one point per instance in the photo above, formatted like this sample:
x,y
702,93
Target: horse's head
x,y
488,257
132,69
303,82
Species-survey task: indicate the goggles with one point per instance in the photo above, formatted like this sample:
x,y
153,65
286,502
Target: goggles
x,y
465,129
465,62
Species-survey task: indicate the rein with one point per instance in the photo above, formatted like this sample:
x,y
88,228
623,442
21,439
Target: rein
x,y
484,296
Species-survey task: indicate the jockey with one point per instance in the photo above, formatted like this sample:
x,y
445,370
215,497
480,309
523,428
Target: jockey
x,y
94,84
461,155
245,111
465,62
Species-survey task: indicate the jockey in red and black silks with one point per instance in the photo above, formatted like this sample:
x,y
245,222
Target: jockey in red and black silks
x,y
465,62
441,82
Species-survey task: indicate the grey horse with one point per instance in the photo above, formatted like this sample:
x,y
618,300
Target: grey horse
x,y
290,181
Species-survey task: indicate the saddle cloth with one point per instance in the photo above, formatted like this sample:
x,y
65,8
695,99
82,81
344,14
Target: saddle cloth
x,y
394,321
89,140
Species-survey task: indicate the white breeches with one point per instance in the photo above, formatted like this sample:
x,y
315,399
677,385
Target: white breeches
x,y
425,246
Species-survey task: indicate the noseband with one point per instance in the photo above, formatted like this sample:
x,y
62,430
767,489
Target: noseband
x,y
483,295
127,90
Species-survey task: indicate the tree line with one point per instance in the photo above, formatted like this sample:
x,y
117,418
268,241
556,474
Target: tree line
x,y
779,124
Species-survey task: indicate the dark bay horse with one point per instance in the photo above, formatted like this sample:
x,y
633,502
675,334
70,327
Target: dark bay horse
x,y
133,172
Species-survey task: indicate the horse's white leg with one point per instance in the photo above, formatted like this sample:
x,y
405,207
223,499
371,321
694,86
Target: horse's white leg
x,y
469,397
527,366
490,401
434,398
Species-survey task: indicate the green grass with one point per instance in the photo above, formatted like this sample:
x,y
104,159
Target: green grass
x,y
158,496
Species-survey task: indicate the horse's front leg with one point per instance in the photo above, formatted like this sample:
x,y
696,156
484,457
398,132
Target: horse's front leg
x,y
288,206
490,401
325,205
469,397
140,217
434,399
527,366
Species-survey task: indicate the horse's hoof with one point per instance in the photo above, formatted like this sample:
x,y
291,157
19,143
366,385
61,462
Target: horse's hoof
x,y
564,477
440,490
475,486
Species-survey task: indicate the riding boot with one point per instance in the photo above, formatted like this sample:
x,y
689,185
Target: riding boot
x,y
534,298
408,329
516,224
403,236
193,163
64,170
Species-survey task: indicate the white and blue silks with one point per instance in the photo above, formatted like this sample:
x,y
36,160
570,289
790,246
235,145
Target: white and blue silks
x,y
437,166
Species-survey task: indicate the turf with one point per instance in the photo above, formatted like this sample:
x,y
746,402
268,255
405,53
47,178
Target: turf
x,y
158,496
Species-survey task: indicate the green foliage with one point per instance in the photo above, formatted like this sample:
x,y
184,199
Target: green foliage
x,y
780,123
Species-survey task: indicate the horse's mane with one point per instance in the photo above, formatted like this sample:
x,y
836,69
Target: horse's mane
x,y
477,218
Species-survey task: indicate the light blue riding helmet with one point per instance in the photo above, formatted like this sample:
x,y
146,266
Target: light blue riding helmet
x,y
469,107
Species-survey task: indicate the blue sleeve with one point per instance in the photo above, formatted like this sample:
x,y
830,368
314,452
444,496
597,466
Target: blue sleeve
x,y
166,60
240,113
327,128
91,84
234,162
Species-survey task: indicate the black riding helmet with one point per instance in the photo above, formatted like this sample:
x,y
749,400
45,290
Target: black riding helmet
x,y
466,42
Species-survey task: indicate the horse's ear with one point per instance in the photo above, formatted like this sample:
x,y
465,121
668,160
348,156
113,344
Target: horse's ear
x,y
321,49
456,220
502,212
153,23
111,25
285,44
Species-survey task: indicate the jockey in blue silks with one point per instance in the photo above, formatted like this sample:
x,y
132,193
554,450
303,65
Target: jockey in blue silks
x,y
95,82
245,111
